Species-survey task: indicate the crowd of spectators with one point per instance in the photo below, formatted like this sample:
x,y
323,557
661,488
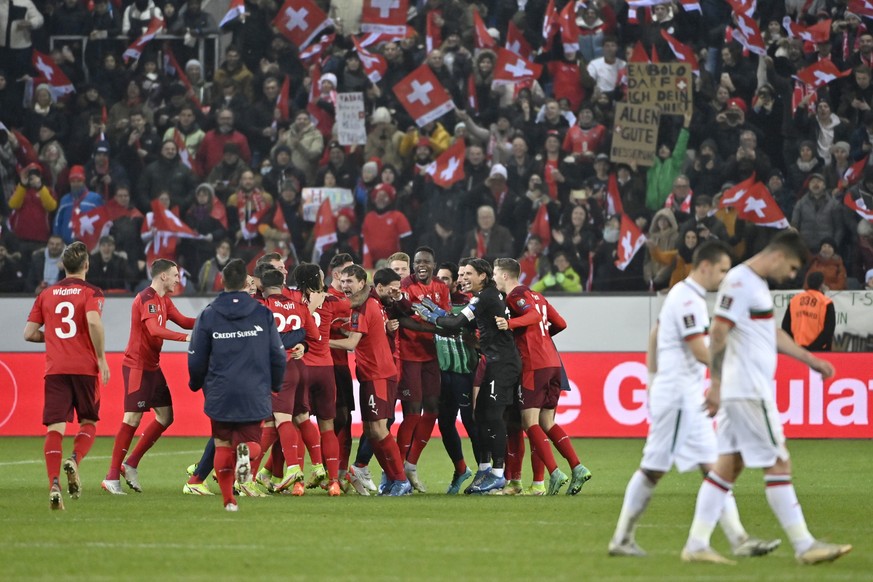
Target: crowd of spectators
x,y
246,157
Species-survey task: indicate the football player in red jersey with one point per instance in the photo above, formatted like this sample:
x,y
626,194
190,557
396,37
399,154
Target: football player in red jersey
x,y
534,321
70,313
144,384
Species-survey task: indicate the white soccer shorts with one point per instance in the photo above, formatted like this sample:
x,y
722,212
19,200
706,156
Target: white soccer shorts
x,y
751,428
683,436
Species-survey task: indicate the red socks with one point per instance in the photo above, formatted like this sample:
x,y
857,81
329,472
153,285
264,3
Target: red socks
x,y
344,437
269,434
288,438
538,467
514,454
119,449
84,441
255,454
225,458
277,457
388,454
460,467
564,445
540,445
405,433
149,437
330,450
53,452
312,440
421,436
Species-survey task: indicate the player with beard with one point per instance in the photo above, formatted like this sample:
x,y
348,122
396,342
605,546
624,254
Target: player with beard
x,y
502,367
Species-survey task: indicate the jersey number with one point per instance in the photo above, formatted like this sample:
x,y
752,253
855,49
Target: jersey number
x,y
544,317
289,323
371,402
70,310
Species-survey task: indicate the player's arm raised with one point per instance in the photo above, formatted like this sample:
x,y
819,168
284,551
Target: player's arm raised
x,y
785,345
33,333
98,339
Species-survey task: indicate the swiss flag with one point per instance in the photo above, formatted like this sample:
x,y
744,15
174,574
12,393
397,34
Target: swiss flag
x,y
236,10
89,226
320,118
511,68
516,43
639,54
324,232
613,196
433,36
754,203
748,34
630,241
377,38
820,74
859,206
818,32
384,16
169,229
134,51
422,95
374,64
171,67
540,226
279,222
746,7
449,167
854,172
283,98
682,52
569,29
184,154
300,21
316,48
51,74
862,8
164,219
481,37
550,25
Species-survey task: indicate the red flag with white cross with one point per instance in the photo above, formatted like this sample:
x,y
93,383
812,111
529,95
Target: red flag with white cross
x,y
384,16
754,203
511,68
423,97
374,64
449,167
630,240
300,21
820,74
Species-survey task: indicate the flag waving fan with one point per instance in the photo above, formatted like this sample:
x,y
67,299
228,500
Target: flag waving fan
x,y
753,202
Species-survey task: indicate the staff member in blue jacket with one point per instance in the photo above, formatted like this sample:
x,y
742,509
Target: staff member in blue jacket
x,y
236,356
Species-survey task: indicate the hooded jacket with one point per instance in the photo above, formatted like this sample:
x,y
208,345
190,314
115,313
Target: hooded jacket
x,y
236,356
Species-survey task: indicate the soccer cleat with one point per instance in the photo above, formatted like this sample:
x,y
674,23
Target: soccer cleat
x,y
364,476
196,489
56,500
316,477
112,486
458,481
384,484
823,552
706,555
264,477
131,477
74,485
243,464
298,489
231,507
292,475
581,475
536,489
489,483
412,477
400,488
251,489
356,483
334,489
513,487
191,469
557,480
626,548
754,547
477,480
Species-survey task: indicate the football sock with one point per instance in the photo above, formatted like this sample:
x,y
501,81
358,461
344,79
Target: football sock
x,y
288,443
312,440
149,437
514,440
783,501
636,497
254,456
710,502
406,432
563,444
269,435
119,449
484,466
460,467
330,453
538,468
84,441
421,436
225,457
393,463
53,449
344,437
730,523
206,462
540,445
277,456
497,472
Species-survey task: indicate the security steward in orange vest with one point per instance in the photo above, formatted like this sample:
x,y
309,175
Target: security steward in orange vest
x,y
810,318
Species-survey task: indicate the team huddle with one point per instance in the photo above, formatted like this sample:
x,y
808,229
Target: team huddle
x,y
444,340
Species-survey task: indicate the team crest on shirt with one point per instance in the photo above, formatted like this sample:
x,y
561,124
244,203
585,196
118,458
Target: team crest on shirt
x,y
726,302
688,320
354,320
521,302
153,308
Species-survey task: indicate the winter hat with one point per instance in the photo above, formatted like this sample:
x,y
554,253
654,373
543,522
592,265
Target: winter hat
x,y
77,173
739,103
328,77
381,115
387,188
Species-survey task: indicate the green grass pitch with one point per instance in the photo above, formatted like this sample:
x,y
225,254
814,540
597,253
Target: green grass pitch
x,y
162,534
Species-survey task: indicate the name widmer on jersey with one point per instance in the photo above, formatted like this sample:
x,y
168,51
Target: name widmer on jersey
x,y
238,334
66,291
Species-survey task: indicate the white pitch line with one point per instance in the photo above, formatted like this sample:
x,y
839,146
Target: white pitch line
x,y
99,457
141,546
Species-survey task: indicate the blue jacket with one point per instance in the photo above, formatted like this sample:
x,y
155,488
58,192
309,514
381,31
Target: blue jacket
x,y
236,356
85,200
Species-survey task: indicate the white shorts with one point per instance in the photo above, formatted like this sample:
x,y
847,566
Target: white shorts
x,y
751,428
682,436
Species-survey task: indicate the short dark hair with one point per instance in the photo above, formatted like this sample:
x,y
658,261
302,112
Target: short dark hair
x,y
711,251
815,280
385,276
272,278
451,268
75,256
306,275
262,268
790,243
234,275
481,266
162,266
356,271
511,266
339,260
424,249
269,258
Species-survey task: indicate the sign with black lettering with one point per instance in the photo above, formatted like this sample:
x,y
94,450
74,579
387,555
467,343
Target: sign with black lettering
x,y
668,86
635,134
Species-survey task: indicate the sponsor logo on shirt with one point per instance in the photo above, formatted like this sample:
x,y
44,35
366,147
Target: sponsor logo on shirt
x,y
243,333
153,308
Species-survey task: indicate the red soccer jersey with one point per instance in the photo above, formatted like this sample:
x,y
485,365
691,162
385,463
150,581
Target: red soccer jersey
x,y
382,234
290,313
143,350
62,308
319,352
534,322
416,346
373,353
341,314
584,141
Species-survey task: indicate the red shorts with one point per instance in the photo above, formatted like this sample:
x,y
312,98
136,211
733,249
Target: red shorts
x,y
540,389
67,392
292,398
345,390
322,391
145,389
377,399
419,380
236,432
479,374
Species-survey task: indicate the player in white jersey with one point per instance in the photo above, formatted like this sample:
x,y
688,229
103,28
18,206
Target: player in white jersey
x,y
744,341
681,433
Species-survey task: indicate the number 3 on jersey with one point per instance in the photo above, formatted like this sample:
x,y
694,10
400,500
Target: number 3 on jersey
x,y
67,311
289,323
